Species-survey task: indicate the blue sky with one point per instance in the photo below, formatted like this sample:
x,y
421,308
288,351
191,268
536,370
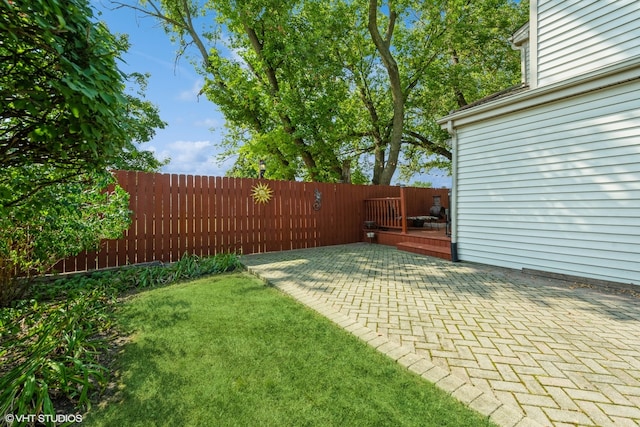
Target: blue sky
x,y
194,124
195,127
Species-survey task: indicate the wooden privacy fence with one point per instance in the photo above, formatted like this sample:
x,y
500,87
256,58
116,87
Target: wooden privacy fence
x,y
177,214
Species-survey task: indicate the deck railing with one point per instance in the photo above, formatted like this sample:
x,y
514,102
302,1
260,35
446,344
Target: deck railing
x,y
385,212
388,212
396,212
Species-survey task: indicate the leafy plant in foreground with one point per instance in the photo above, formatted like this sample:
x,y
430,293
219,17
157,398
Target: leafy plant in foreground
x,y
50,345
51,351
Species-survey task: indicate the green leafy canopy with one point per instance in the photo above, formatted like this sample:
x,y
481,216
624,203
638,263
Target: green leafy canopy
x,y
328,90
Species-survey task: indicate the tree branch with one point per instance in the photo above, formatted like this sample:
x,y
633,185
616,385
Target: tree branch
x,y
392,24
395,140
424,142
459,95
37,188
185,24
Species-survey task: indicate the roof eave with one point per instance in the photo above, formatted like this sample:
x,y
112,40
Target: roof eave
x,y
612,74
520,36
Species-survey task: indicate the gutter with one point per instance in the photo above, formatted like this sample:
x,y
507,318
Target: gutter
x,y
453,208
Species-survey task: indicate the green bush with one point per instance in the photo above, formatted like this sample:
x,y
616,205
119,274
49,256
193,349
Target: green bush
x,y
59,221
189,266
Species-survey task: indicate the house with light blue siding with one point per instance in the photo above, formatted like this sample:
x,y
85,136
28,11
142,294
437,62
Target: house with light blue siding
x,y
546,178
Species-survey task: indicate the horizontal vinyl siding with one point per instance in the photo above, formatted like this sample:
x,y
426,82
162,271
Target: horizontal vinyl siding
x,y
555,188
578,36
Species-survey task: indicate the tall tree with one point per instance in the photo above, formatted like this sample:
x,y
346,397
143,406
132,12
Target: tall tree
x,y
65,118
317,87
417,45
63,105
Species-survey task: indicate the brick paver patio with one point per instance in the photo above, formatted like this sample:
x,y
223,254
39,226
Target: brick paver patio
x,y
522,350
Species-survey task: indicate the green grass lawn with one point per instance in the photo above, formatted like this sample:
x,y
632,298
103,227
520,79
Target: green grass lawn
x,y
228,351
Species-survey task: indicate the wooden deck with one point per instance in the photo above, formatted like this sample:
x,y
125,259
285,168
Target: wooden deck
x,y
425,241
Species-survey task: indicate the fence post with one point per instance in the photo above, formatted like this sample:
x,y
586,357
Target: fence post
x,y
403,209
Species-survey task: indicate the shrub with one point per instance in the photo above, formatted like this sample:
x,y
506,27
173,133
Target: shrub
x,y
57,222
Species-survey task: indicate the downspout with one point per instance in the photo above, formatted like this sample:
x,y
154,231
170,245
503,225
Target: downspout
x,y
453,209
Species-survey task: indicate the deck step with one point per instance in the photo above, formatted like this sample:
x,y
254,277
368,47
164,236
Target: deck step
x,y
443,252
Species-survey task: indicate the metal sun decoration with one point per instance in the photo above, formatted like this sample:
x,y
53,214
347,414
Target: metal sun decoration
x,y
261,193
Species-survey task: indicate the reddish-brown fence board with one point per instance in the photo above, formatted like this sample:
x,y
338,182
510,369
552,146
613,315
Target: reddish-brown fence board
x,y
419,203
177,214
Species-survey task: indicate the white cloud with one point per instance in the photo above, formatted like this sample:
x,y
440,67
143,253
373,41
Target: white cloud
x,y
191,94
191,158
210,122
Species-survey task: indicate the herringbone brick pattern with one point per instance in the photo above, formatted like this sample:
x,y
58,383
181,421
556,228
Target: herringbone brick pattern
x,y
520,349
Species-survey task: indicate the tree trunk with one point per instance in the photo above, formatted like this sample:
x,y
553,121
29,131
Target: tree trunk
x,y
382,46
